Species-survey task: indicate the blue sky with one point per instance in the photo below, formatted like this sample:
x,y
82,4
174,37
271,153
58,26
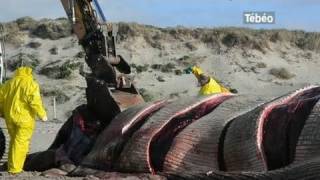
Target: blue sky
x,y
290,14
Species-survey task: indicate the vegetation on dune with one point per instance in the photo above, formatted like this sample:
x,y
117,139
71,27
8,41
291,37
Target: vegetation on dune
x,y
80,54
191,46
53,50
165,68
261,65
34,45
161,79
213,37
45,29
217,37
281,73
23,59
53,29
13,34
140,68
60,96
60,71
26,23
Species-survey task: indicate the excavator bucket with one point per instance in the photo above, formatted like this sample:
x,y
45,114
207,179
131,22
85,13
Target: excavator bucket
x,y
126,98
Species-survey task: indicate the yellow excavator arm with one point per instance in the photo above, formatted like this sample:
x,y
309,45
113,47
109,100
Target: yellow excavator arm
x,y
75,16
98,40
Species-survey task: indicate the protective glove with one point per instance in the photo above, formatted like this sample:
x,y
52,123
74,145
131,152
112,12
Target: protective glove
x,y
45,118
188,70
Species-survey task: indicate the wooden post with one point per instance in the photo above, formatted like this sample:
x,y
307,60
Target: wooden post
x,y
54,108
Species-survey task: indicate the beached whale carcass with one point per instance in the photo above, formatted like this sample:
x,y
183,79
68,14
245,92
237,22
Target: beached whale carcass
x,y
214,137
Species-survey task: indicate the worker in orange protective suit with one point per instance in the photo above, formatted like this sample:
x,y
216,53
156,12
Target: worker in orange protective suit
x,y
208,84
21,103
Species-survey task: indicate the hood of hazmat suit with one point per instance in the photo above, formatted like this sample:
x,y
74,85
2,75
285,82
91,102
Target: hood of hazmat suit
x,y
211,87
197,71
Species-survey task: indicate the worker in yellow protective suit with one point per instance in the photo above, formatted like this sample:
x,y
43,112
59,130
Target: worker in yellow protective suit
x,y
208,84
21,103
